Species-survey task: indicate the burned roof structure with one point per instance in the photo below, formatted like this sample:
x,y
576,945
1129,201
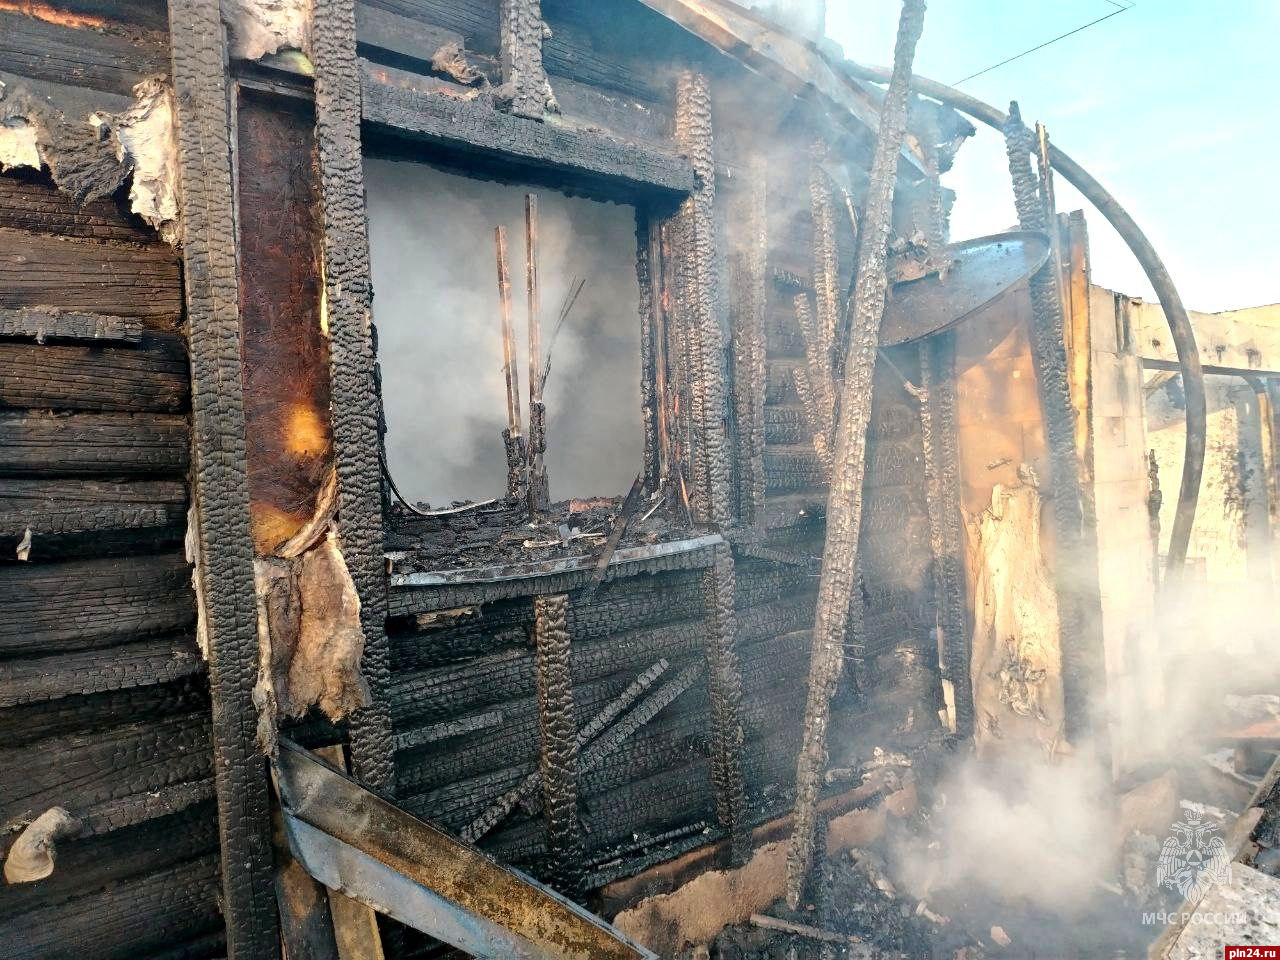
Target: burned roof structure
x,y
258,694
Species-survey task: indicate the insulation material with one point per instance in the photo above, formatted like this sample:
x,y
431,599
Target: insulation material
x,y
18,144
191,552
147,145
261,27
32,854
309,638
1017,655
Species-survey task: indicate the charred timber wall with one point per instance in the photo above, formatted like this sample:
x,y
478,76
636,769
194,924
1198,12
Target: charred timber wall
x,y
104,706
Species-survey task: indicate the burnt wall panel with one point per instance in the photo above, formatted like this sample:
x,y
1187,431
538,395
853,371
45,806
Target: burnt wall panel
x,y
104,705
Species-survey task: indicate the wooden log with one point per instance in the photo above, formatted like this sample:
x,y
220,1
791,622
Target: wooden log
x,y
85,55
39,720
128,280
149,379
43,323
53,506
76,674
29,201
83,770
104,444
133,918
91,863
92,603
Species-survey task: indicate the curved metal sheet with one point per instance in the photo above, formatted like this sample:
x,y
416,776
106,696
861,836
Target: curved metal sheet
x,y
980,270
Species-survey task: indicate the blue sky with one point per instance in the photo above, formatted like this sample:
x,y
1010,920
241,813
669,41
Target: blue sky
x,y
1170,105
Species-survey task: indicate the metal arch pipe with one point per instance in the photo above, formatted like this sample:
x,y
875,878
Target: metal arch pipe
x,y
1180,329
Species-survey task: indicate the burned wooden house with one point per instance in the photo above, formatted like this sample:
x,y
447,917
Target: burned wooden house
x,y
259,497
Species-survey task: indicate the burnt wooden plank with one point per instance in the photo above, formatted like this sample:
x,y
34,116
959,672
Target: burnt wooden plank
x,y
131,918
86,54
103,444
91,863
130,280
471,128
92,603
150,378
93,671
288,437
49,506
353,371
30,201
223,534
86,770
44,323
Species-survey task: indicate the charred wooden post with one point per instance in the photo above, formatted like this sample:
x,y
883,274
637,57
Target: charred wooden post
x,y
750,284
524,80
814,384
539,488
826,264
348,295
654,399
844,504
946,532
1075,536
512,440
725,687
558,758
697,326
224,565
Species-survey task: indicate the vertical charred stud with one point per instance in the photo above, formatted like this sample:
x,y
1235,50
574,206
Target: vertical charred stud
x,y
844,503
697,326
826,265
348,299
1076,566
558,760
524,80
749,283
648,276
725,686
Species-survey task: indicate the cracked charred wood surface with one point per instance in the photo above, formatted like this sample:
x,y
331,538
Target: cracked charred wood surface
x,y
942,463
138,916
288,442
140,664
844,504
90,52
749,266
50,507
88,604
38,443
355,395
524,81
149,378
1075,536
558,736
43,323
128,280
725,685
652,388
225,543
29,201
696,326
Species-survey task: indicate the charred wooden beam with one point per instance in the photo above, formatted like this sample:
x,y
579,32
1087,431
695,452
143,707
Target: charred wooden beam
x,y
92,603
140,915
844,504
543,150
539,488
44,323
152,378
725,683
30,201
1075,535
946,521
91,277
111,444
79,51
558,754
356,403
76,674
225,545
50,506
749,266
525,87
697,327
653,373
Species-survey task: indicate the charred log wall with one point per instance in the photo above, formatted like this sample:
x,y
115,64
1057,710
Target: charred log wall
x,y
104,708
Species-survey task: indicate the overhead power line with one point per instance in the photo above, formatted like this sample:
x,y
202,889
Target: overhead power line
x,y
1120,7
